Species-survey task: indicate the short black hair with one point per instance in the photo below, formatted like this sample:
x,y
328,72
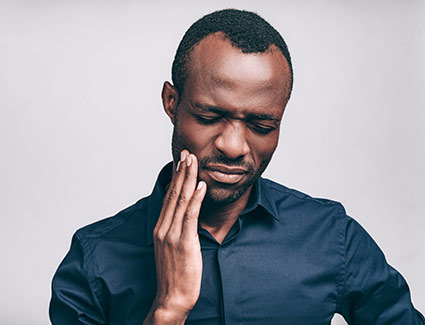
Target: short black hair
x,y
246,30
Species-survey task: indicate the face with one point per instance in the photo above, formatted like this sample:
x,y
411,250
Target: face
x,y
229,114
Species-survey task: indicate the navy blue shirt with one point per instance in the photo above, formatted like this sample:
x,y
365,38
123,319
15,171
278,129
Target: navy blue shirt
x,y
288,259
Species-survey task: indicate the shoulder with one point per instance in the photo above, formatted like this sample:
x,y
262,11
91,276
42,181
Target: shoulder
x,y
133,215
289,197
303,215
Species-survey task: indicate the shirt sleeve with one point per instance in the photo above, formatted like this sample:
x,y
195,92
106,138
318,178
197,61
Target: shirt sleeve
x,y
373,292
73,300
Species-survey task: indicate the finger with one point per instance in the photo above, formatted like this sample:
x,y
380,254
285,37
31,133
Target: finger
x,y
171,197
190,221
186,193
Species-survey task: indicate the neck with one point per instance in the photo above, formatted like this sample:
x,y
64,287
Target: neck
x,y
218,219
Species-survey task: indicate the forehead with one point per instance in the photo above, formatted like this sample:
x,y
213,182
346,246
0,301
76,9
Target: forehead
x,y
219,69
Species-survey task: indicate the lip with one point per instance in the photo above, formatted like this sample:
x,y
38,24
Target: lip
x,y
226,169
225,174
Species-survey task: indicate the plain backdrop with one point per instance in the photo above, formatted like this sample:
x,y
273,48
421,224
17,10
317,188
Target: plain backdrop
x,y
83,133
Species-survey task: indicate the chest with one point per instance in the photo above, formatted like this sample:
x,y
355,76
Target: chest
x,y
266,285
243,282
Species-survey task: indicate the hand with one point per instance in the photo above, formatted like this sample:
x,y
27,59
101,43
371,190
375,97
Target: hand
x,y
178,256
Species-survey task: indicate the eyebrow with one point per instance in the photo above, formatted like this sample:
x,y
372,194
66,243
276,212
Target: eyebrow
x,y
220,111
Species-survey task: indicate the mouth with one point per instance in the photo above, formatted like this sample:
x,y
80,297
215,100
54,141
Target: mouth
x,y
225,174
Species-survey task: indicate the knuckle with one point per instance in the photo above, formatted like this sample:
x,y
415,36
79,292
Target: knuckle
x,y
172,194
188,214
159,236
182,199
171,239
186,248
188,174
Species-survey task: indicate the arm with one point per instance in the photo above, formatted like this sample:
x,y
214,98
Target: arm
x,y
178,256
373,292
73,300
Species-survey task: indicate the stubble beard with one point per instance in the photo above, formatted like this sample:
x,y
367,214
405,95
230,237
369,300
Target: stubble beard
x,y
220,196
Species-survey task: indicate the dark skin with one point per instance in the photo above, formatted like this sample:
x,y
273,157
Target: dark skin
x,y
226,129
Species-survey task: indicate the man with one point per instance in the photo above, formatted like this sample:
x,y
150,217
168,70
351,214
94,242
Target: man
x,y
215,243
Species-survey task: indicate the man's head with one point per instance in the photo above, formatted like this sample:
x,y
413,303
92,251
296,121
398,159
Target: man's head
x,y
232,83
246,30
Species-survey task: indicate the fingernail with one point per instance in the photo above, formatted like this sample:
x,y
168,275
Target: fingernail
x,y
178,166
189,161
183,155
201,185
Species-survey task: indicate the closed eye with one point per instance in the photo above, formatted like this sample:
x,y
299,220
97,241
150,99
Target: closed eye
x,y
261,128
204,119
256,126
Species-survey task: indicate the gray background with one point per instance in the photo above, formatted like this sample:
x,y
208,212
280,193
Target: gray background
x,y
83,133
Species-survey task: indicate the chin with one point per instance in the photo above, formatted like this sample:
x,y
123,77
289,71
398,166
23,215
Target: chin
x,y
222,196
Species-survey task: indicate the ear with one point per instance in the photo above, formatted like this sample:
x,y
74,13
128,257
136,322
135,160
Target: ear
x,y
170,98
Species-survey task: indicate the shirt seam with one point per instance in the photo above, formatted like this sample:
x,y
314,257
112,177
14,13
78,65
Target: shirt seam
x,y
342,253
91,282
88,236
272,186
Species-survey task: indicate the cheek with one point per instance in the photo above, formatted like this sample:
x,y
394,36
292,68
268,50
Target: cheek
x,y
196,138
264,147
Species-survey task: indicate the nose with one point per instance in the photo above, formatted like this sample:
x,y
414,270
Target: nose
x,y
232,141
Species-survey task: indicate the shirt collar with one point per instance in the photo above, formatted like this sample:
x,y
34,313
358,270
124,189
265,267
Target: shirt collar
x,y
260,197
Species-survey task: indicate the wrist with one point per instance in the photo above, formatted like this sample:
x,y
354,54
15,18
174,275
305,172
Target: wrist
x,y
161,315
